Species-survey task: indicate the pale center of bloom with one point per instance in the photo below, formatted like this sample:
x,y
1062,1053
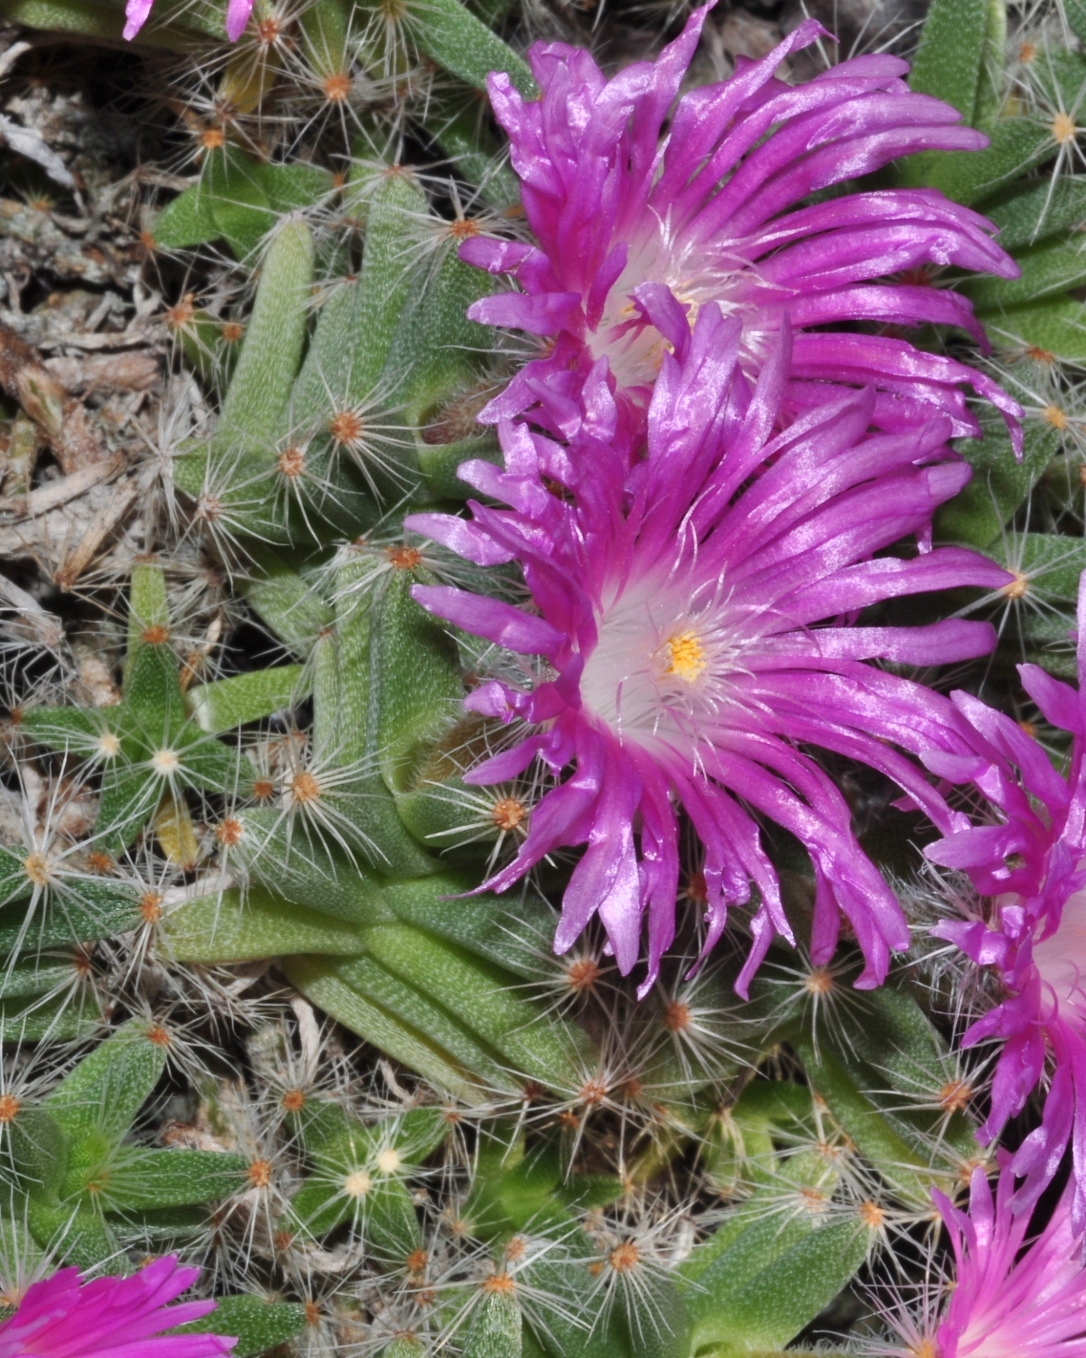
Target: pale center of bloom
x,y
666,661
694,274
1061,959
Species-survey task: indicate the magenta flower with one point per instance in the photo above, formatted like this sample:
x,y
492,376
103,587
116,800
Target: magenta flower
x,y
710,213
1008,1302
237,16
64,1317
1030,869
693,614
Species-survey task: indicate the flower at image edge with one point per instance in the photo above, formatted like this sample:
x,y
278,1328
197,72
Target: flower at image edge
x,y
64,1317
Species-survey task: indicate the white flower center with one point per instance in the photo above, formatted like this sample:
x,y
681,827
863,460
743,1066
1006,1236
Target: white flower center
x,y
1061,959
635,350
665,665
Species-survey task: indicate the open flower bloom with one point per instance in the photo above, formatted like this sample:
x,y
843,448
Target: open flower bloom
x,y
710,214
237,16
1008,1302
1030,868
64,1317
676,603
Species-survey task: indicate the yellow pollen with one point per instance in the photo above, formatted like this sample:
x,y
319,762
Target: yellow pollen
x,y
1063,128
357,1184
926,1348
388,1162
1056,417
686,657
36,867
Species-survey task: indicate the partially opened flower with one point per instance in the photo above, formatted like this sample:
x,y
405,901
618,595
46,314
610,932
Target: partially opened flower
x,y
64,1317
136,13
1008,1302
711,213
692,613
1029,868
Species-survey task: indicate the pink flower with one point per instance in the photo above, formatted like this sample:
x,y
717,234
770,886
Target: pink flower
x,y
1029,866
710,213
693,611
237,16
64,1317
1010,1302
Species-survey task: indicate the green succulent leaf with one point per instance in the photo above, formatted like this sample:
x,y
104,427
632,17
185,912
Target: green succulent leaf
x,y
1056,326
102,1095
1001,483
229,703
149,1178
949,62
232,927
1037,209
1054,266
453,37
1016,146
256,1323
